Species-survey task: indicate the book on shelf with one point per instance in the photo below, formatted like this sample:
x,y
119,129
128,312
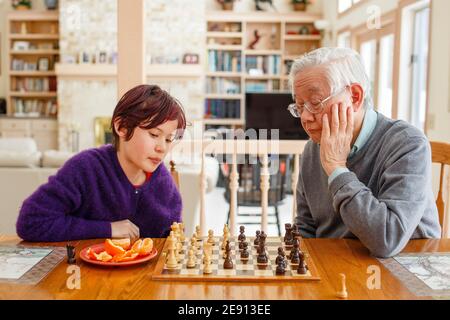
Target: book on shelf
x,y
262,65
34,108
222,86
222,109
262,86
224,61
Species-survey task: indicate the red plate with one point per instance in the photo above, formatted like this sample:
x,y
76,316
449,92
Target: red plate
x,y
97,248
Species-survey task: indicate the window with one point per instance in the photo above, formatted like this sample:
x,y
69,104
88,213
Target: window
x,y
344,40
413,72
385,81
344,5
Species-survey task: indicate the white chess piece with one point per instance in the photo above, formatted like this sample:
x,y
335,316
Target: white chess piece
x,y
211,237
181,228
343,293
207,264
191,260
194,245
171,262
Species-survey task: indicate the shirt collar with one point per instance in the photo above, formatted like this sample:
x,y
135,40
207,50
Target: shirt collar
x,y
369,124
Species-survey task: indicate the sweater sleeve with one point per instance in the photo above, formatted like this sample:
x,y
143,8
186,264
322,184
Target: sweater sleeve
x,y
304,219
384,223
46,216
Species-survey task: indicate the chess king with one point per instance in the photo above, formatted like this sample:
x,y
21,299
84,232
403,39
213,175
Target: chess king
x,y
120,190
362,174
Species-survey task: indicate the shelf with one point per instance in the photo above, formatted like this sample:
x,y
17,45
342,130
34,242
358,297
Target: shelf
x,y
262,77
175,70
291,57
34,52
297,37
224,74
110,70
224,47
33,15
32,73
232,122
289,17
262,52
36,36
223,34
46,94
224,96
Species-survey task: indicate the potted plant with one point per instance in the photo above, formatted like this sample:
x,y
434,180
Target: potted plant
x,y
300,5
21,4
226,4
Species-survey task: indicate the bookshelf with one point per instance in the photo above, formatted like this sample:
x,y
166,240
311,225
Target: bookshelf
x,y
237,64
33,51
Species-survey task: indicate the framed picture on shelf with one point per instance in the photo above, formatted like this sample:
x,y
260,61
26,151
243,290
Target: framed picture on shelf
x,y
43,64
190,58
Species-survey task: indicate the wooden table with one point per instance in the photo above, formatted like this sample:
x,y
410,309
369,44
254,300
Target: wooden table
x,y
331,256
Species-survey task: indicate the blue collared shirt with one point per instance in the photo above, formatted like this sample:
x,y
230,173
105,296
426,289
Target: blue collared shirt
x,y
369,124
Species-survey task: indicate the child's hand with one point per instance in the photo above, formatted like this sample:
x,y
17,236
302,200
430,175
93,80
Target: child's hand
x,y
124,229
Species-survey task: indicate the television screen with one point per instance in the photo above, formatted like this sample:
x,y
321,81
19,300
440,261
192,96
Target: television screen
x,y
269,111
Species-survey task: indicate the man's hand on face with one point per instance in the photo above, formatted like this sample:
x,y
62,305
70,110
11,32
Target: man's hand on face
x,y
335,143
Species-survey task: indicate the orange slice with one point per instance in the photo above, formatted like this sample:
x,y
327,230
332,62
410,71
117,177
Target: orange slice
x,y
91,254
103,256
147,246
112,248
136,248
123,243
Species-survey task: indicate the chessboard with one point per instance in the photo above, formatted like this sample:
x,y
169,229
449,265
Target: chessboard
x,y
243,270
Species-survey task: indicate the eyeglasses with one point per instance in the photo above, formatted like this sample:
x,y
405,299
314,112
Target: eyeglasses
x,y
314,108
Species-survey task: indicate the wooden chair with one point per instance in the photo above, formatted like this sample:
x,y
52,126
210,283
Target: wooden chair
x,y
441,154
175,174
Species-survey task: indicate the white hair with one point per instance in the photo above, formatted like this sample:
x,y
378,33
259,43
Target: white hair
x,y
344,66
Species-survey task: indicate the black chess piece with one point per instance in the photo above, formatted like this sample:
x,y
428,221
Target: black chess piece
x,y
288,228
281,256
244,253
262,255
281,268
295,253
241,236
256,242
302,269
295,244
228,263
70,254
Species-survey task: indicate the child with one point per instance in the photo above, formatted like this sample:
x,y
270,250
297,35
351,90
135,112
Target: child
x,y
115,191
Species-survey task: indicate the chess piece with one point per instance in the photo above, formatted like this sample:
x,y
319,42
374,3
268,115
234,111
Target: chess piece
x,y
302,266
262,254
198,231
207,250
281,268
226,236
343,293
241,236
211,237
171,262
207,264
244,253
287,227
228,263
294,245
191,260
181,228
281,256
295,253
194,245
70,254
256,242
227,249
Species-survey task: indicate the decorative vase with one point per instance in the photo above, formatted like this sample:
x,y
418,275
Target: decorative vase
x,y
299,6
227,6
51,4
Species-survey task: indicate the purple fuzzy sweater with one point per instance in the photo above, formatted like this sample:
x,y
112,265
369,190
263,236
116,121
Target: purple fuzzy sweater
x,y
89,192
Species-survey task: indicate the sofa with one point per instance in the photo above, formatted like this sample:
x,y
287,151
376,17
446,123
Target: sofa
x,y
23,169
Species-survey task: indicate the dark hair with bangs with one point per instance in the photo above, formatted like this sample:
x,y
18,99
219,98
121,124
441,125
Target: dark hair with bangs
x,y
146,107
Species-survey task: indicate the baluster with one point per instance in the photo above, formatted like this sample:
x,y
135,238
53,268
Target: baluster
x,y
234,185
295,173
265,176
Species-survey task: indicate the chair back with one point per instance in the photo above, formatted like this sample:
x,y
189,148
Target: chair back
x,y
440,152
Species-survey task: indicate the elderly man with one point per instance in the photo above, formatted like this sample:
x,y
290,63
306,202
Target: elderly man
x,y
361,175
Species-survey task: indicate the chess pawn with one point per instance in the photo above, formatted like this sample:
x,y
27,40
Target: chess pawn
x,y
256,242
241,236
207,264
281,268
244,253
191,260
343,293
302,267
228,263
227,249
211,237
194,245
198,231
